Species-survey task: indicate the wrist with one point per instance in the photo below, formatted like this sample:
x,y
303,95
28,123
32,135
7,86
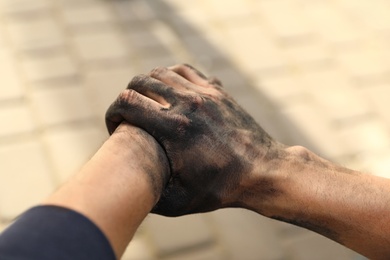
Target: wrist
x,y
118,186
267,187
134,145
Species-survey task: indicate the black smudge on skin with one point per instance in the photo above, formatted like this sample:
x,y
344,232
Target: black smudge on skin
x,y
195,127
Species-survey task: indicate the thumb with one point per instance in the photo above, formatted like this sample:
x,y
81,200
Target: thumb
x,y
140,111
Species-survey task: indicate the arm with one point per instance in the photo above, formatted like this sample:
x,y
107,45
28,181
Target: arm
x,y
344,205
220,157
119,186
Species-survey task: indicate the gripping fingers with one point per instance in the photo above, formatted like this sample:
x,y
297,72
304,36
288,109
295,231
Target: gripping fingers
x,y
136,109
173,79
193,75
215,81
155,89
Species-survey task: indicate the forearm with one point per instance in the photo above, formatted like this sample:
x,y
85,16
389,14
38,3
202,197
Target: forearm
x,y
119,186
346,206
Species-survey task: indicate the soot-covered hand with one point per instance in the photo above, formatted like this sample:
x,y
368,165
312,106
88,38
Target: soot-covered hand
x,y
212,144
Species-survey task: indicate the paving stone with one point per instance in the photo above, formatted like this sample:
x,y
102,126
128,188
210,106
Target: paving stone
x,y
139,249
377,97
135,11
148,63
16,119
147,41
254,54
195,17
233,81
177,4
203,51
2,39
53,67
11,85
339,29
71,147
373,14
246,235
308,54
95,47
313,246
260,109
285,18
96,13
309,126
124,13
364,61
281,89
169,40
367,136
63,4
22,6
333,92
61,105
106,84
377,163
47,33
169,235
212,253
183,27
26,177
231,9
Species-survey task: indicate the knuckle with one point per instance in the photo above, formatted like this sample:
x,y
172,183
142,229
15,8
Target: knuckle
x,y
181,66
215,81
196,102
158,71
127,97
194,70
138,82
186,65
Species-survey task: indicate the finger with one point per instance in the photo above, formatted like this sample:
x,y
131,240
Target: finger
x,y
174,80
137,110
215,81
155,89
191,74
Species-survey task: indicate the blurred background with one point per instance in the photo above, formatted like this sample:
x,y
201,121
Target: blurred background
x,y
311,72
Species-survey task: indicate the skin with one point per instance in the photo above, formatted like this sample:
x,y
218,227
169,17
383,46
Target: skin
x,y
346,206
119,186
220,157
206,135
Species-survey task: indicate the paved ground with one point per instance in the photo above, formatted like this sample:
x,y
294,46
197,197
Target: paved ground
x,y
312,72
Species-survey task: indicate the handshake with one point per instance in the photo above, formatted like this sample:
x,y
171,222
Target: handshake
x,y
218,155
215,155
200,151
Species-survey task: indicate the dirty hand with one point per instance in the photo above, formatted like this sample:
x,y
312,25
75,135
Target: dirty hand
x,y
214,147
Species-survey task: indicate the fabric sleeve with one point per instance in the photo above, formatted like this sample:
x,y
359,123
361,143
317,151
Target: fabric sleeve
x,y
51,232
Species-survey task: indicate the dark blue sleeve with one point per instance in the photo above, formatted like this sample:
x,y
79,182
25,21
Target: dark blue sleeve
x,y
51,232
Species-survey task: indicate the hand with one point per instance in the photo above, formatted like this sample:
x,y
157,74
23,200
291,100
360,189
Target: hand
x,y
213,146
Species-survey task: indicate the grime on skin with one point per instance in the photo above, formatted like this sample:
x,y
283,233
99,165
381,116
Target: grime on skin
x,y
204,133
